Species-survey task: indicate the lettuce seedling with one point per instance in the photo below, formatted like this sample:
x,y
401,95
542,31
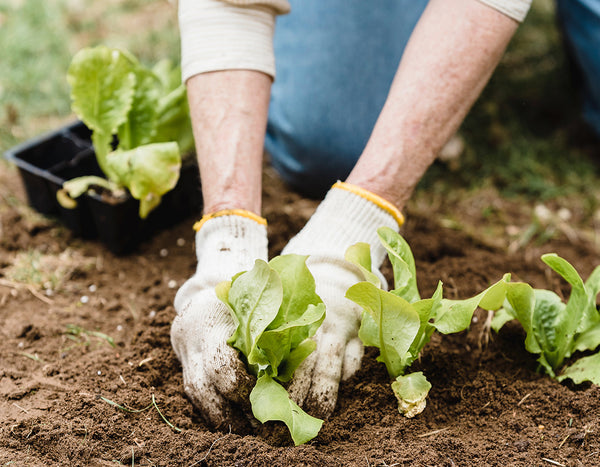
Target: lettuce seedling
x,y
556,330
144,110
399,323
276,312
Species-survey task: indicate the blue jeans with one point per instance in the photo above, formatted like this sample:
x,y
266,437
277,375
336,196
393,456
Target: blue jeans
x,y
335,63
580,20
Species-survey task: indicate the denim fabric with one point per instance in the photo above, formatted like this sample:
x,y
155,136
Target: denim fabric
x,y
580,20
335,61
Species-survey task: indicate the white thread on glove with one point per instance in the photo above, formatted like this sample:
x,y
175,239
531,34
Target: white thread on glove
x,y
213,375
341,220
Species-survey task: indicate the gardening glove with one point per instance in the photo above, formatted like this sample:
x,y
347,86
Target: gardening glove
x,y
347,215
214,377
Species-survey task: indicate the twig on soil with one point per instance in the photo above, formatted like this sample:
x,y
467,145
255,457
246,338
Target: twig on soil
x,y
211,446
434,432
18,286
563,441
524,399
19,407
550,461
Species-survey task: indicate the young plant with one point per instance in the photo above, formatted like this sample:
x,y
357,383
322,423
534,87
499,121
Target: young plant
x,y
144,110
276,312
399,323
556,330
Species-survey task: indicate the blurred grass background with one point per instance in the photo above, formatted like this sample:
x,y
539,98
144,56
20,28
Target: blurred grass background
x,y
524,140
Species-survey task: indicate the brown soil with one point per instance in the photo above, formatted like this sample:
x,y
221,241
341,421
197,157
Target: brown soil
x,y
488,406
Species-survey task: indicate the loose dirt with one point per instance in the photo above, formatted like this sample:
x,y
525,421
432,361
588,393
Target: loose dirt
x,y
60,378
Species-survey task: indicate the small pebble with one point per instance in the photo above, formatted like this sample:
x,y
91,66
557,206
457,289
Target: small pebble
x,y
172,284
99,373
119,328
475,319
49,292
21,345
164,252
180,241
84,299
152,314
92,288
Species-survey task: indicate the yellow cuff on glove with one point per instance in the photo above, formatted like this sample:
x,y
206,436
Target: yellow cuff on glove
x,y
230,212
375,199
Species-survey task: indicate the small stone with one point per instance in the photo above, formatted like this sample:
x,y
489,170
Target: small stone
x,y
84,299
172,284
152,314
164,252
92,288
180,241
119,328
99,373
521,445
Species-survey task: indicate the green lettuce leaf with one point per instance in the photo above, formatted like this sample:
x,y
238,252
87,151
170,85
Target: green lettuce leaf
x,y
411,391
276,311
270,402
148,172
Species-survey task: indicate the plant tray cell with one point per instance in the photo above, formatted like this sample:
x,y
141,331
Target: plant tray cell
x,y
46,162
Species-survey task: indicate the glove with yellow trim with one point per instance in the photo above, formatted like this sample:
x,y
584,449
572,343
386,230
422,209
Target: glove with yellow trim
x,y
214,377
347,215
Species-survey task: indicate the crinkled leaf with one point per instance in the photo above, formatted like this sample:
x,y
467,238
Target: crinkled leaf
x,y
584,369
396,324
403,264
548,325
102,88
140,126
254,297
173,120
148,171
168,73
360,255
270,401
411,391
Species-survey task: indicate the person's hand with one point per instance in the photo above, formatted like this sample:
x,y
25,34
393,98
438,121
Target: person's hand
x,y
214,377
346,216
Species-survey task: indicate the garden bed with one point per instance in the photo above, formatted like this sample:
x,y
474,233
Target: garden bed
x,y
487,406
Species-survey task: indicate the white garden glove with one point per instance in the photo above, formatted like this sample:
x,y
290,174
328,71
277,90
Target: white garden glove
x,y
346,216
214,377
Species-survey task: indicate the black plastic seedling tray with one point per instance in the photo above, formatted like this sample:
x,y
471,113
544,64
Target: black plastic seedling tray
x,y
46,162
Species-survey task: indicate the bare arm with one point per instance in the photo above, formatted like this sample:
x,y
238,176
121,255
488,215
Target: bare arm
x,y
447,62
229,117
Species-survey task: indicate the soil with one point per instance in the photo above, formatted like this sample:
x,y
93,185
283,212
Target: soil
x,y
62,300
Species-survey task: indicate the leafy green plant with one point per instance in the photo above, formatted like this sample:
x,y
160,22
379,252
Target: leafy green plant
x,y
399,323
556,330
145,109
276,312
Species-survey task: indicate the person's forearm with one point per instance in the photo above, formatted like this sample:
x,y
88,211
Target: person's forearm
x,y
451,55
229,117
